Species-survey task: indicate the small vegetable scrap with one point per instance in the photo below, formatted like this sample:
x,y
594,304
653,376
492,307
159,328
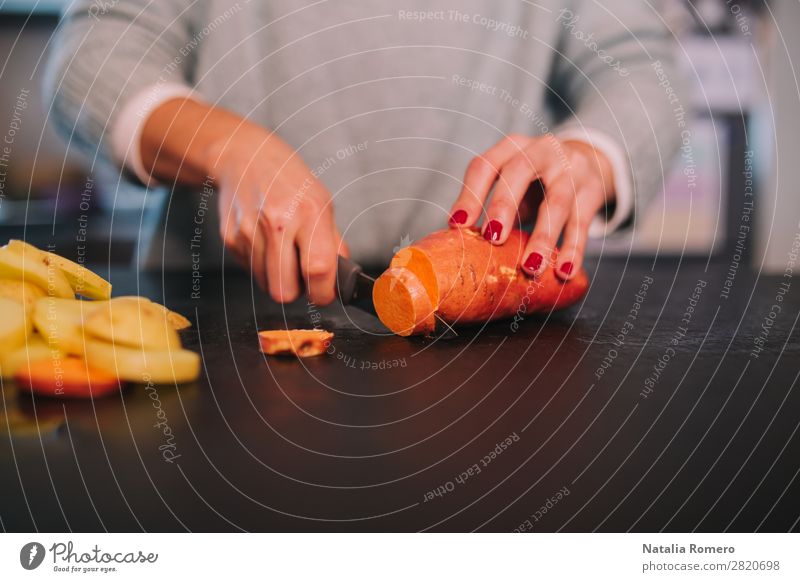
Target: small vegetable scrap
x,y
303,343
69,377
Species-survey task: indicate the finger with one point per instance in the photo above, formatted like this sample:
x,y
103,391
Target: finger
x,y
576,232
536,161
553,213
283,273
229,224
258,262
319,242
246,232
479,178
344,250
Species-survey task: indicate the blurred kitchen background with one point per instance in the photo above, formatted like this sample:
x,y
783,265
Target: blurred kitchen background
x,y
745,118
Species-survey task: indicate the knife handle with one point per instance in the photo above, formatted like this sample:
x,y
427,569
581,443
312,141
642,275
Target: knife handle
x,y
346,275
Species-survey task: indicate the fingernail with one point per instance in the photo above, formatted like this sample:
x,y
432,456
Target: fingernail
x,y
459,217
493,231
533,262
566,268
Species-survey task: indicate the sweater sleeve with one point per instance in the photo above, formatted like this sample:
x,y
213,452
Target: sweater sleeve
x,y
614,76
104,55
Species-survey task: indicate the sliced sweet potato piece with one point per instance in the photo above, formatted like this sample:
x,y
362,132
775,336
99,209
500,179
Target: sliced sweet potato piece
x,y
29,267
34,348
15,325
172,366
60,322
67,377
177,321
22,291
82,280
137,324
302,343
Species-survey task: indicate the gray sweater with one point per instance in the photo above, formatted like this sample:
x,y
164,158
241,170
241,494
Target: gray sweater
x,y
386,101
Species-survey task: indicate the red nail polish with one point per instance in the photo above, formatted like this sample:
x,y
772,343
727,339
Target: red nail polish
x,y
459,217
533,262
566,268
493,231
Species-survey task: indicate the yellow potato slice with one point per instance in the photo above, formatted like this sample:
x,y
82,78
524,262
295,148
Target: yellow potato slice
x,y
175,319
21,291
35,348
14,324
60,322
134,323
27,267
82,280
144,366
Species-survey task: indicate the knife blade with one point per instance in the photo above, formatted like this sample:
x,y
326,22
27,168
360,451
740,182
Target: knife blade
x,y
355,288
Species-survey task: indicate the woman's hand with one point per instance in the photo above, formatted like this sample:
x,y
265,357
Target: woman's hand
x,y
274,211
275,216
577,183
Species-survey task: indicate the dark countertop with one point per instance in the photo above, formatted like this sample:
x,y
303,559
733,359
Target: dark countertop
x,y
509,429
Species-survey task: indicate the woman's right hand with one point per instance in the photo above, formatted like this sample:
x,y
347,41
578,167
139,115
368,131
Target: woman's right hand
x,y
273,211
275,216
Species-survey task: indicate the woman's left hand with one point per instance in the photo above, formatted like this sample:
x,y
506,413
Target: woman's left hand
x,y
577,183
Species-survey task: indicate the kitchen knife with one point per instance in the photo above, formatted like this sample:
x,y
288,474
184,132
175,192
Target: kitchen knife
x,y
355,288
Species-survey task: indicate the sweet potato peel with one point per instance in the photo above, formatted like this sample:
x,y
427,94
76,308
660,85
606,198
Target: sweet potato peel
x,y
302,343
464,279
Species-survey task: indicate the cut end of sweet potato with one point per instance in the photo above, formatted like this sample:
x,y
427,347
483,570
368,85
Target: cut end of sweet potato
x,y
402,302
303,343
419,263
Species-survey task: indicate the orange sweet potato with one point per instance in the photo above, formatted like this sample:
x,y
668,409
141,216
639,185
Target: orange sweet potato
x,y
294,342
65,377
464,279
